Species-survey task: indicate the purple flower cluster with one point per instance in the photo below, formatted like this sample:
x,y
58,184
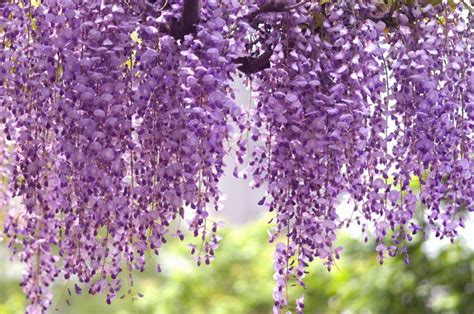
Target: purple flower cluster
x,y
362,100
120,132
432,89
121,114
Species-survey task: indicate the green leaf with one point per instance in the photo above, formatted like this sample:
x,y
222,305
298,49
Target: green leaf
x,y
35,3
318,20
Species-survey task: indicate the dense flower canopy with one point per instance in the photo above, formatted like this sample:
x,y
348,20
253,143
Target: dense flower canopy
x,y
117,115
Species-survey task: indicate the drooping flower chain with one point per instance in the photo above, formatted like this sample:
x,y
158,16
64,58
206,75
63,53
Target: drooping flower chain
x,y
120,126
116,137
355,102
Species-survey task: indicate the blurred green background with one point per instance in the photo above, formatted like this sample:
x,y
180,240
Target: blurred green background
x,y
240,281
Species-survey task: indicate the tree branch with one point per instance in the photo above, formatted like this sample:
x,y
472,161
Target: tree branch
x,y
275,6
250,65
189,19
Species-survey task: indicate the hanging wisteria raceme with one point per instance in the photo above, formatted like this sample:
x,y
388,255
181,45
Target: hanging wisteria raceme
x,y
5,174
120,114
431,66
27,77
183,116
364,99
121,121
315,106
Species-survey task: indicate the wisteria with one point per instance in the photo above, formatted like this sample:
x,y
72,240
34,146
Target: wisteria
x,y
117,116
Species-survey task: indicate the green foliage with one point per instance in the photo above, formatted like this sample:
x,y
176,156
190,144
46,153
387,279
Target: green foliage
x,y
240,281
